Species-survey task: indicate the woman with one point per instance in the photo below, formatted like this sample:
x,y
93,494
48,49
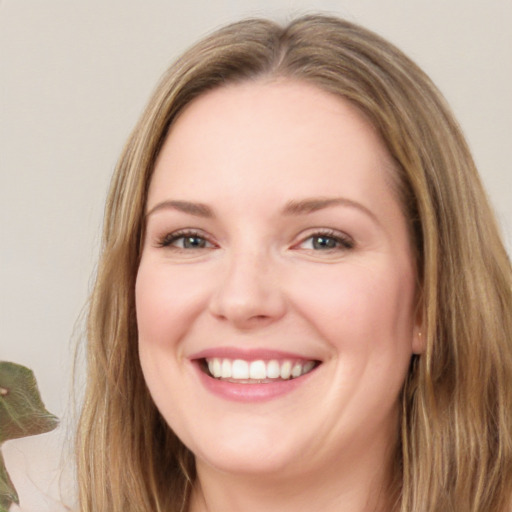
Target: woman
x,y
303,300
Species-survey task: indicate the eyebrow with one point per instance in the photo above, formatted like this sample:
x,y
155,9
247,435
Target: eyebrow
x,y
311,205
197,209
294,207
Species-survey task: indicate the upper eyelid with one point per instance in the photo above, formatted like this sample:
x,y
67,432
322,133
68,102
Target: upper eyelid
x,y
347,241
167,238
299,239
328,232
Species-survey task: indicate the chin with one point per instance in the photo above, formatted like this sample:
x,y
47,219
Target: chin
x,y
255,455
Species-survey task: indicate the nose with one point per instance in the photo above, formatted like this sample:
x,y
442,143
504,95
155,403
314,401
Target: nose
x,y
249,293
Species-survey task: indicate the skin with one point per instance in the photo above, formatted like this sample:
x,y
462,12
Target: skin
x,y
259,277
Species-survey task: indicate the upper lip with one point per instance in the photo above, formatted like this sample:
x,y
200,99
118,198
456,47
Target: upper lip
x,y
249,354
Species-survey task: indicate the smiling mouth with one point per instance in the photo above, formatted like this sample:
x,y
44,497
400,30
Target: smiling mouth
x,y
259,371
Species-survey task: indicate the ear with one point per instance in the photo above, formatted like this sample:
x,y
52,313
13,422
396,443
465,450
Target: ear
x,y
419,338
418,342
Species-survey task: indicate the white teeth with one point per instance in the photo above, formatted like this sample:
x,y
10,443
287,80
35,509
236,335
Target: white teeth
x,y
308,367
297,370
239,369
226,369
258,370
286,370
273,370
217,367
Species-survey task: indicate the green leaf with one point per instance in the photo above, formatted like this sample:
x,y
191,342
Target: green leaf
x,y
8,494
22,412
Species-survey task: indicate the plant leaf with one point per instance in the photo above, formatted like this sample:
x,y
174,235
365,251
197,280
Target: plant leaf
x,y
22,412
8,494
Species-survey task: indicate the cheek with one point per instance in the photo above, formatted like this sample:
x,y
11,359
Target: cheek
x,y
163,314
166,303
362,307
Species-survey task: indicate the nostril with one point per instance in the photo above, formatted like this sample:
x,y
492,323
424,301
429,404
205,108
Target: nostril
x,y
247,297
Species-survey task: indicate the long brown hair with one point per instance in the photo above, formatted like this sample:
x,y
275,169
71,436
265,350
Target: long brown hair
x,y
455,451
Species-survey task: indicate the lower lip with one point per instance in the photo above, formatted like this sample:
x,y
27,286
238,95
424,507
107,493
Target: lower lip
x,y
251,392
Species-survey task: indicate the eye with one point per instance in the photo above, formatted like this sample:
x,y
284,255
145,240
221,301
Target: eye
x,y
327,241
184,240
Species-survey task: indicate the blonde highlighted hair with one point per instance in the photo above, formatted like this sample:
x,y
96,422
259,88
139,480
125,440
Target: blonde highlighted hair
x,y
455,449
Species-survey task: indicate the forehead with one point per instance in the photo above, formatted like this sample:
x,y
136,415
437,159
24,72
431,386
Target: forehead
x,y
268,138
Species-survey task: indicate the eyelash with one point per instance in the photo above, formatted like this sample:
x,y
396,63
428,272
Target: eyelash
x,y
169,239
341,241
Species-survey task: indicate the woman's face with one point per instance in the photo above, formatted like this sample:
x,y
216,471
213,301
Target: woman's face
x,y
277,257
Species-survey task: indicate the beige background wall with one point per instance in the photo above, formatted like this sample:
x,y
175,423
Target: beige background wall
x,y
74,76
